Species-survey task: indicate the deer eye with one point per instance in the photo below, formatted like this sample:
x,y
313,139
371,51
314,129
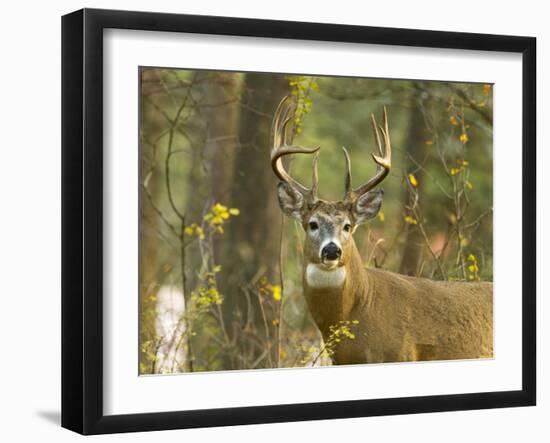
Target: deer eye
x,y
313,226
347,227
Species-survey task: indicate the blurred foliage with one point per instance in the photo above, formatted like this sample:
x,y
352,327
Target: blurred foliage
x,y
437,203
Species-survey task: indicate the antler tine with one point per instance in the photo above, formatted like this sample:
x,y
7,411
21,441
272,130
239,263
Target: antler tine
x,y
383,160
376,134
348,188
281,147
281,111
315,176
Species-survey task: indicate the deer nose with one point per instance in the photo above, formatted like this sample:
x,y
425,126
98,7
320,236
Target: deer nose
x,y
331,251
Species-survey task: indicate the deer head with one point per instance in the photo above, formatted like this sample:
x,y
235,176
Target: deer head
x,y
329,225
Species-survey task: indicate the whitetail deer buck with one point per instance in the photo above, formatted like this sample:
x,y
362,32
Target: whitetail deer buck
x,y
400,318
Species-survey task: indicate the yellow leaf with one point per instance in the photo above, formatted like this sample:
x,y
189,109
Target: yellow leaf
x,y
463,138
234,211
453,120
381,216
277,292
410,220
218,209
412,180
199,231
454,171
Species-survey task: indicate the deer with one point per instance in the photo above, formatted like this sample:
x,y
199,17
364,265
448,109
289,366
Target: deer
x,y
396,318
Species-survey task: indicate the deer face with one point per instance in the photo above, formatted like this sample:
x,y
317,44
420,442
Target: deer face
x,y
328,232
328,225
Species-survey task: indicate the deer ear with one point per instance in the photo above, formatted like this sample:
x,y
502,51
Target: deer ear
x,y
290,201
367,206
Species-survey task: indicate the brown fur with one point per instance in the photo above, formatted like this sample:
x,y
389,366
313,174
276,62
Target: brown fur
x,y
404,318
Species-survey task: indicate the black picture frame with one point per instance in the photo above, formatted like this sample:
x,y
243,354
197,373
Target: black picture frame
x,y
82,220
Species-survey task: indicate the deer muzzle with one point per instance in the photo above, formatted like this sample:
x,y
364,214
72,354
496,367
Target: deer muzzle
x,y
331,252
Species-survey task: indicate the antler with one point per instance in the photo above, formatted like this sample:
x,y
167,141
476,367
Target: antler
x,y
383,160
282,136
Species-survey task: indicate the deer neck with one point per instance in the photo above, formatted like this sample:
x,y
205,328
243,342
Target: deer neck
x,y
332,295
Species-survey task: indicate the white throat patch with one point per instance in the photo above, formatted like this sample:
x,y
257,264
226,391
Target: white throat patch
x,y
319,277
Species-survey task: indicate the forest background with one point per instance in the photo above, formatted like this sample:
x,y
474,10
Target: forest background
x,y
220,267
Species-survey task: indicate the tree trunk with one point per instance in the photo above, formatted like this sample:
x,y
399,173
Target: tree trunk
x,y
212,162
252,242
151,126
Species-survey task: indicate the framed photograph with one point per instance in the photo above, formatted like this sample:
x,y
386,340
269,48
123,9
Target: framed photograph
x,y
220,264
